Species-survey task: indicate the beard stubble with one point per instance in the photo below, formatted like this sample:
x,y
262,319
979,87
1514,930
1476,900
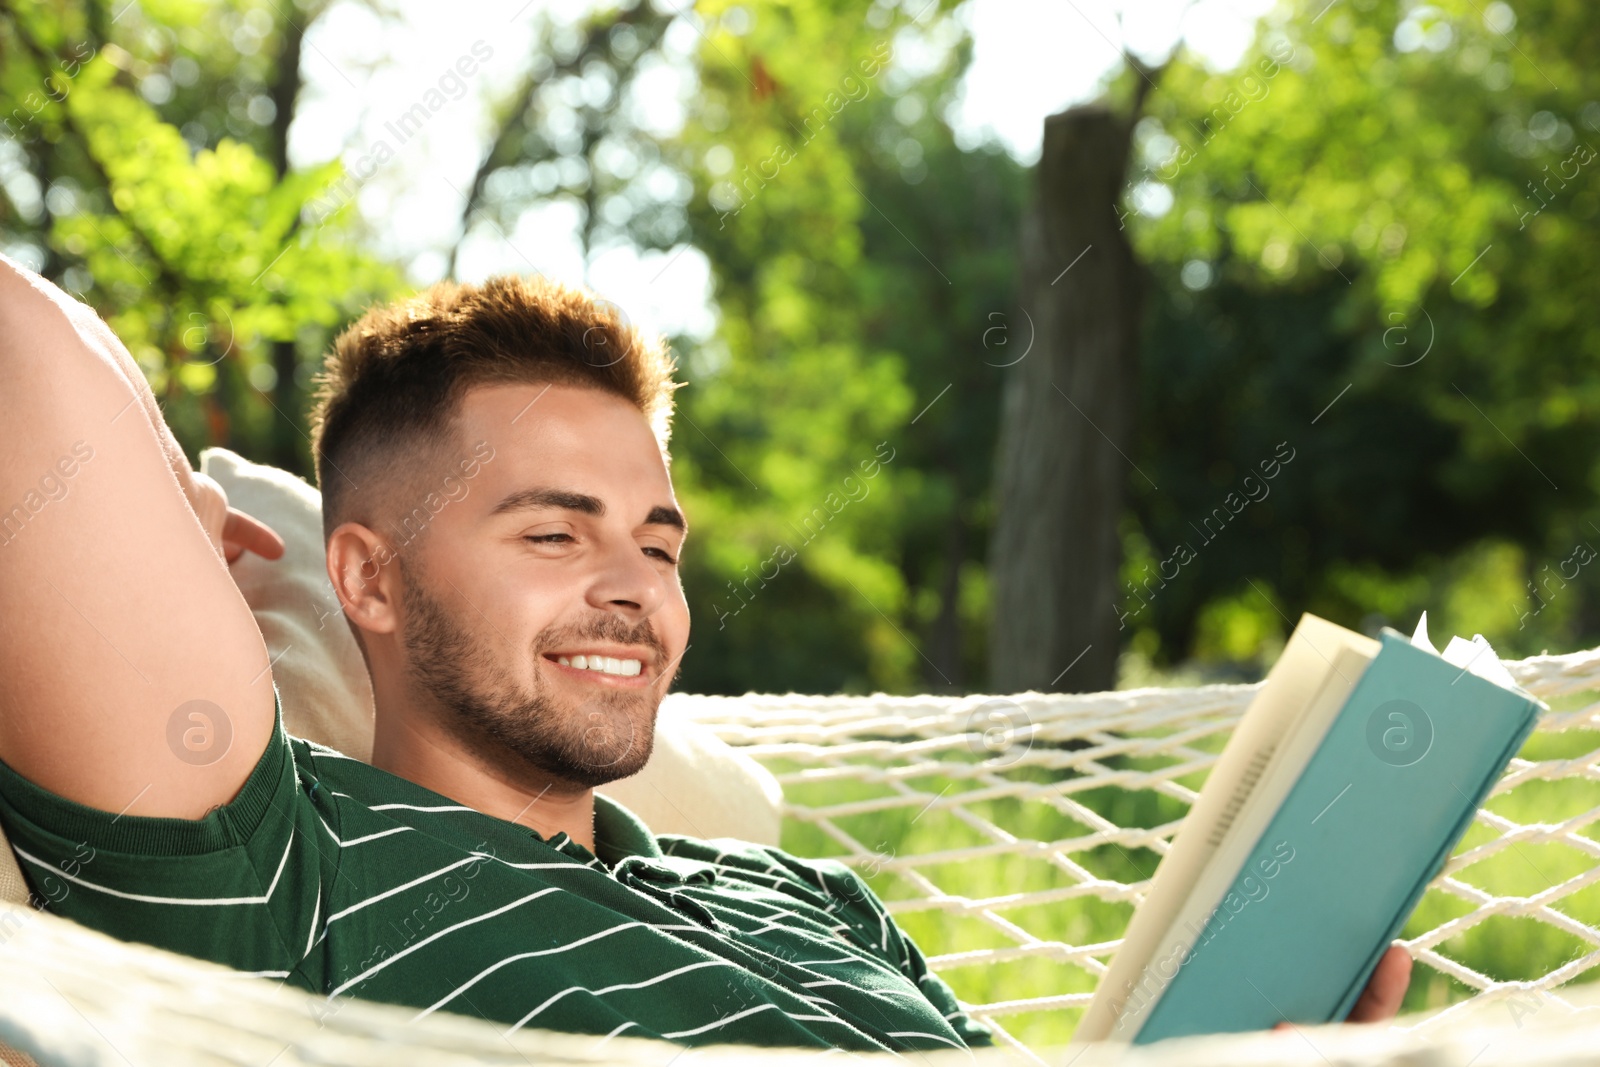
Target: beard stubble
x,y
586,741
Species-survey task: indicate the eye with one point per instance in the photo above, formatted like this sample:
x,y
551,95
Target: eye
x,y
546,538
662,553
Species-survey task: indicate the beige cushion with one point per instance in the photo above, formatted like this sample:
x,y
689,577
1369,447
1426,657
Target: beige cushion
x,y
694,784
12,887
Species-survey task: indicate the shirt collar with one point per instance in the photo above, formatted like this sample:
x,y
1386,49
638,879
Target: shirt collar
x,y
618,833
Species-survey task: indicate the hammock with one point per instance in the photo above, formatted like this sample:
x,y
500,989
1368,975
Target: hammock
x,y
973,766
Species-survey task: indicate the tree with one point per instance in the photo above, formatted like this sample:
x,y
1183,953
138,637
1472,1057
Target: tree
x,y
1068,417
161,196
1069,411
1376,256
833,444
843,419
565,133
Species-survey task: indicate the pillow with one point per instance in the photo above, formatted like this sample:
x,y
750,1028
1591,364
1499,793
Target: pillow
x,y
695,784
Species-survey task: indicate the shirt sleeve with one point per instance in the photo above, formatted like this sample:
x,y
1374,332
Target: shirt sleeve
x,y
241,886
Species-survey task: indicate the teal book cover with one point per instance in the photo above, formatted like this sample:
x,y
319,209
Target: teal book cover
x,y
1341,866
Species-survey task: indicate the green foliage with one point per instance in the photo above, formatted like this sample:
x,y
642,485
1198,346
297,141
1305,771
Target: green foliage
x,y
846,304
858,256
1378,255
1370,277
197,257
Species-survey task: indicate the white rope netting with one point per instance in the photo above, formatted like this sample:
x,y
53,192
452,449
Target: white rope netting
x,y
72,997
1029,825
1012,838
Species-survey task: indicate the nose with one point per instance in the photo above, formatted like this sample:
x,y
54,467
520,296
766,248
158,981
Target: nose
x,y
628,582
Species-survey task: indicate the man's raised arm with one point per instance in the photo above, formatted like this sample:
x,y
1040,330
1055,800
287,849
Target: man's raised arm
x,y
132,676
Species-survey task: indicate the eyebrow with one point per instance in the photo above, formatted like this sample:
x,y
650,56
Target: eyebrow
x,y
542,497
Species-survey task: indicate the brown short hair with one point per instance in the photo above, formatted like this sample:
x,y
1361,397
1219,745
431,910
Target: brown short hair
x,y
386,396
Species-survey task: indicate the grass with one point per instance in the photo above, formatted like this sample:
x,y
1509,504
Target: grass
x,y
1503,948
1518,948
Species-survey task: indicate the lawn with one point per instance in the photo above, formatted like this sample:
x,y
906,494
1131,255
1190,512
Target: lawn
x,y
1501,947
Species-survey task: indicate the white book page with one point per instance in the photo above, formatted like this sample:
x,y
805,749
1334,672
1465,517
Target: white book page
x,y
1477,656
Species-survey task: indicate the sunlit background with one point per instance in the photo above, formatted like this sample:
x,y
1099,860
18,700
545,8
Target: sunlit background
x,y
1361,240
363,69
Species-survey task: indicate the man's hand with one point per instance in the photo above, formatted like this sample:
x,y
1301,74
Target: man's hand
x,y
1385,989
1380,1001
231,531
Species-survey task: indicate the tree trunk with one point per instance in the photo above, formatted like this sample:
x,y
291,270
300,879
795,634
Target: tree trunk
x,y
287,396
1067,418
945,673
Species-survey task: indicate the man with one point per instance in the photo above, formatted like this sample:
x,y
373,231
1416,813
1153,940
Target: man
x,y
520,637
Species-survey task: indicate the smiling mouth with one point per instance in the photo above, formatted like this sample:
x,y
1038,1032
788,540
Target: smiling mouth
x,y
603,670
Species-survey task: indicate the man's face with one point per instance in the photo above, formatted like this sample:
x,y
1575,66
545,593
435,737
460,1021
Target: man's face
x,y
562,550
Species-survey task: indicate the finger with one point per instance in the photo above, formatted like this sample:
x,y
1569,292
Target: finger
x,y
245,532
1386,989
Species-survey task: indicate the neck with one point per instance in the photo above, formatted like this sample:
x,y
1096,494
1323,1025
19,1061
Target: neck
x,y
417,749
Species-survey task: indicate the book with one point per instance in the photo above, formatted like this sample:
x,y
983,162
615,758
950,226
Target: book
x,y
1344,788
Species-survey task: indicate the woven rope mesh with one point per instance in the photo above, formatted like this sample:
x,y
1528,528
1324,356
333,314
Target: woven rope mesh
x,y
1013,836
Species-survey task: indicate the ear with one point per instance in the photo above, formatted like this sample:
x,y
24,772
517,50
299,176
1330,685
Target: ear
x,y
364,570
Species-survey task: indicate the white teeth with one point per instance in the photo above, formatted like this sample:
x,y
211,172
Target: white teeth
x,y
625,668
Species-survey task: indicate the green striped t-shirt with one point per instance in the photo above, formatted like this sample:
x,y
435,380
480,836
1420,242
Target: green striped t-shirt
x,y
348,881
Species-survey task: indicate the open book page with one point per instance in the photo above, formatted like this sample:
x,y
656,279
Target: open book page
x,y
1477,655
1312,656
